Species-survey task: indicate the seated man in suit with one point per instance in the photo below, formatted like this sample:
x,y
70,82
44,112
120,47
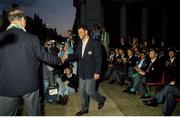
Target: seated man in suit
x,y
170,67
141,65
152,74
168,95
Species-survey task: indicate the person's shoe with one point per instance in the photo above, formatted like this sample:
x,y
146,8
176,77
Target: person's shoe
x,y
65,99
100,105
59,99
145,97
81,113
152,102
132,91
126,90
112,82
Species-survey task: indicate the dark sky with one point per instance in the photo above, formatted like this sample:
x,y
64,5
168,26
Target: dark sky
x,y
59,14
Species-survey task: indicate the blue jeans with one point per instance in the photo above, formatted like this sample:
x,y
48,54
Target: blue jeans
x,y
45,86
64,89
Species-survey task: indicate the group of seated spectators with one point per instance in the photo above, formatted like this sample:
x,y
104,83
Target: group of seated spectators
x,y
136,65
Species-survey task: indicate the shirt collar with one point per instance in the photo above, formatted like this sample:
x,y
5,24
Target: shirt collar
x,y
16,26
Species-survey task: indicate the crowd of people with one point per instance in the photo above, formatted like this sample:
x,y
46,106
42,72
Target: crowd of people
x,y
77,63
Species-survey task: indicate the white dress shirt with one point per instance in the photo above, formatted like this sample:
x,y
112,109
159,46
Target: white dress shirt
x,y
84,43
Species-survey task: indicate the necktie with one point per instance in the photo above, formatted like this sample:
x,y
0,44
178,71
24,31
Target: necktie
x,y
149,67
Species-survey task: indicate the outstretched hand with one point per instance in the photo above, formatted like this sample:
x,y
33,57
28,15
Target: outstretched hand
x,y
96,76
64,58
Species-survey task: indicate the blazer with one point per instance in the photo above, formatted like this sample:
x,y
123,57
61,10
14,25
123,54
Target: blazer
x,y
20,53
155,72
91,62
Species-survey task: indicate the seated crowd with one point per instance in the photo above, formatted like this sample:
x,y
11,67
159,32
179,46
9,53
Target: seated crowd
x,y
138,66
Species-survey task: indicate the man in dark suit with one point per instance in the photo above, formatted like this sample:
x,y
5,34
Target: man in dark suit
x,y
20,53
169,93
89,56
141,65
152,74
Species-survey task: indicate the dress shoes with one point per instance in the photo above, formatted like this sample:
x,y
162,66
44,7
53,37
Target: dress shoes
x,y
145,97
81,113
100,105
112,82
152,102
59,99
64,100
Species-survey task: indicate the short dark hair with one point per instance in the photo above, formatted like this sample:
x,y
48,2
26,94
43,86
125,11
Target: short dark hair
x,y
84,27
15,13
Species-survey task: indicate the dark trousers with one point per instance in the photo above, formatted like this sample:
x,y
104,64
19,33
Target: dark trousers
x,y
87,88
9,105
168,95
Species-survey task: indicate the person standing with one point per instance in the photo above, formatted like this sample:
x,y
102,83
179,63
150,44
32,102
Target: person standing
x,y
105,40
89,56
20,54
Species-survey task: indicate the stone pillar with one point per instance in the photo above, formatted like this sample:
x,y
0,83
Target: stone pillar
x,y
94,12
144,24
164,21
83,12
123,22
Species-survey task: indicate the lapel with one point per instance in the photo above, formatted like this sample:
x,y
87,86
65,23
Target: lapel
x,y
86,48
80,49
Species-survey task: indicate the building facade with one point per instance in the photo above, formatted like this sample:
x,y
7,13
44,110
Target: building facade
x,y
144,19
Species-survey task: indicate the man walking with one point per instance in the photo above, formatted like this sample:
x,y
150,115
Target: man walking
x,y
89,56
20,53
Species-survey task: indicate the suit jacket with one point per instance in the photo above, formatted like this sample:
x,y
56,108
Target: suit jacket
x,y
155,72
91,62
20,53
170,71
144,64
132,61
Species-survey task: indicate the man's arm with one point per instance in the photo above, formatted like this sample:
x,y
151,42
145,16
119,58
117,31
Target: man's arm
x,y
42,54
98,59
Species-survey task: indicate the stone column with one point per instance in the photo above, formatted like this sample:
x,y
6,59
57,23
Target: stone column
x,y
123,22
164,20
94,12
144,24
83,12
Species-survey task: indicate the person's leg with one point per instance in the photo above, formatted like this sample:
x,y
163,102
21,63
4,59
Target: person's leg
x,y
142,88
161,96
83,94
8,106
69,91
113,77
135,82
90,90
108,73
32,103
61,87
51,78
46,86
169,105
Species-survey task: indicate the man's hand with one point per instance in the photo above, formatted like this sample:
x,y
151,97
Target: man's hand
x,y
142,73
64,58
96,76
172,83
66,82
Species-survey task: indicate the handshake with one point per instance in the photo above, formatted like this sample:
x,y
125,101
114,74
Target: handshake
x,y
64,57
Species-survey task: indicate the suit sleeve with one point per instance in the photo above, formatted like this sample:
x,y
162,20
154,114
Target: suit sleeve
x,y
42,54
98,57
